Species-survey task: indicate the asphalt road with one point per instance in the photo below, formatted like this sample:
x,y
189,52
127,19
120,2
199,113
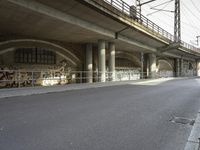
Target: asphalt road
x,y
125,117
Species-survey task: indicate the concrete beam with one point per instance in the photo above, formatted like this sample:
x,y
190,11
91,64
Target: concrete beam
x,y
54,13
175,56
136,43
169,47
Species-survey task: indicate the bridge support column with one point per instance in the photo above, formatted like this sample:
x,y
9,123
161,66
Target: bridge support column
x,y
142,65
152,65
146,66
177,67
89,64
181,67
102,60
111,48
198,68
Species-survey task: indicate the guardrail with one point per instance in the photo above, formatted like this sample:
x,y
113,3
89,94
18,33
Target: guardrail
x,y
134,15
24,78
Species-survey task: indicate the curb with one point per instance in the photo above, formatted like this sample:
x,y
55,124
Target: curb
x,y
27,91
193,142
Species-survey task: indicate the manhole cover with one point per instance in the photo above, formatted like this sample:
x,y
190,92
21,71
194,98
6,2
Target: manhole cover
x,y
183,120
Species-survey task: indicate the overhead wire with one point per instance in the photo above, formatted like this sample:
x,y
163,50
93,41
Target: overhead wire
x,y
182,22
192,32
189,10
187,23
195,6
167,3
183,13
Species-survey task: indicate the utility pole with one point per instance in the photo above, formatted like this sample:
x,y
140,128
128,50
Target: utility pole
x,y
177,22
197,40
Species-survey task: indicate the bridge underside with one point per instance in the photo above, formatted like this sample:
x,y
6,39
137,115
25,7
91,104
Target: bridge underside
x,y
60,31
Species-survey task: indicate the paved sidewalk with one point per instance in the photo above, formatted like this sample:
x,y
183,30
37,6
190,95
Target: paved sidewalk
x,y
194,140
60,88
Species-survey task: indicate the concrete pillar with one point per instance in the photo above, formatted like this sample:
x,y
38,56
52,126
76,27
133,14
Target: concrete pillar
x,y
152,65
142,65
111,48
146,66
102,60
177,67
181,67
198,68
89,65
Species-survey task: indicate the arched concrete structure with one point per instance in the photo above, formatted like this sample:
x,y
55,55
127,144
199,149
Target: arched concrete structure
x,y
129,57
10,45
163,64
165,67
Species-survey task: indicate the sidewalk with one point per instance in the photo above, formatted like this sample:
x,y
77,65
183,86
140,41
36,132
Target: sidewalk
x,y
24,91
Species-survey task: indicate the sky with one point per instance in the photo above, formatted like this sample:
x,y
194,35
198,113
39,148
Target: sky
x,y
190,17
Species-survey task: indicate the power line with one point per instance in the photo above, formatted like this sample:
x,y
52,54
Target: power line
x,y
160,9
187,18
192,32
183,22
195,6
161,4
190,11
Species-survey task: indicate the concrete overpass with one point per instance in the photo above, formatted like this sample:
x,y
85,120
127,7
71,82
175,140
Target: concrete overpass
x,y
89,35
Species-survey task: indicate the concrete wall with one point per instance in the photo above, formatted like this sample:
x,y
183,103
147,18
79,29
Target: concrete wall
x,y
7,59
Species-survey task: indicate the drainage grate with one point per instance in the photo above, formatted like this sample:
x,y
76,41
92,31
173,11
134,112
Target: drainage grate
x,y
183,120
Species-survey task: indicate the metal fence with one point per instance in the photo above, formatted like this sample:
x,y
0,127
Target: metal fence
x,y
132,14
22,78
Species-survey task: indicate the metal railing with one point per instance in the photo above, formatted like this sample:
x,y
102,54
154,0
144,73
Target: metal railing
x,y
130,13
21,78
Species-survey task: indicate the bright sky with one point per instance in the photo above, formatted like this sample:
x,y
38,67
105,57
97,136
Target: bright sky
x,y
190,17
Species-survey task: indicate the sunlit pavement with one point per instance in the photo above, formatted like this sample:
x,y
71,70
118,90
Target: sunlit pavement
x,y
24,91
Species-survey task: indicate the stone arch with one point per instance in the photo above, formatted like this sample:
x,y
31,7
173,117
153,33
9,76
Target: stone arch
x,y
164,64
10,45
129,57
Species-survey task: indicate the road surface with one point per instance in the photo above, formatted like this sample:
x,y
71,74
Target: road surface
x,y
125,117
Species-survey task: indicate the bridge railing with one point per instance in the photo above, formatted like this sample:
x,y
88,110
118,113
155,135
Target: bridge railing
x,y
189,46
132,13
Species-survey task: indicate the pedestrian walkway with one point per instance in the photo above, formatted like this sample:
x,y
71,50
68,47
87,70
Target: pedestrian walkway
x,y
24,91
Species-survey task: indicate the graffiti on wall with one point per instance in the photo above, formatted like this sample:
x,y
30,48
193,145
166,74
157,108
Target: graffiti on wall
x,y
10,77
